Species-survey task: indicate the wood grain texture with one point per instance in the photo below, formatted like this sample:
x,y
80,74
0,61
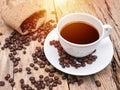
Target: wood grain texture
x,y
6,65
108,11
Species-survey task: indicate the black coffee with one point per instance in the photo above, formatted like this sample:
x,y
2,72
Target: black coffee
x,y
79,33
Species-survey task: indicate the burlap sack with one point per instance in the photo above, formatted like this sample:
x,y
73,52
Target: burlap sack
x,y
15,16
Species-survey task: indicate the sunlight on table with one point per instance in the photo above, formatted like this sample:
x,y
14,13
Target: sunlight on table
x,y
60,2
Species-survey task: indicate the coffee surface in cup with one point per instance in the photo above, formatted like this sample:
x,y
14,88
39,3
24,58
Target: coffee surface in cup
x,y
79,33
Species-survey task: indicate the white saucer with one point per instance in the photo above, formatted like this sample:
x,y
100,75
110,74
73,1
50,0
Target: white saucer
x,y
104,53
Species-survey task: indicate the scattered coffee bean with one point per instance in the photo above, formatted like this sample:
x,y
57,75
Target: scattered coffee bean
x,y
11,80
28,69
41,76
20,70
56,77
51,74
54,84
2,83
2,48
66,60
1,34
32,65
50,87
80,82
50,80
42,66
17,42
47,69
36,68
43,86
13,84
97,82
15,63
24,52
59,82
14,53
29,72
32,78
15,70
7,77
46,78
21,81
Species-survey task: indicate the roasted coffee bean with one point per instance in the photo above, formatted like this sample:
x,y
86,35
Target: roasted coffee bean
x,y
18,59
26,86
11,80
34,38
1,34
42,66
50,80
41,76
56,77
33,55
47,83
80,81
43,86
23,86
13,84
35,61
59,82
97,82
28,69
24,52
29,72
35,68
54,84
7,76
32,65
33,82
46,78
20,70
51,74
66,60
50,87
64,77
2,83
89,62
15,63
53,70
2,48
32,78
15,70
22,81
10,54
14,52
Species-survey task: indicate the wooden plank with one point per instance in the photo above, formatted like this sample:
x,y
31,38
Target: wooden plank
x,y
6,66
93,7
110,14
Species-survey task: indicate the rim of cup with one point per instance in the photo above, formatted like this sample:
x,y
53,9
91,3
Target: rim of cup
x,y
88,15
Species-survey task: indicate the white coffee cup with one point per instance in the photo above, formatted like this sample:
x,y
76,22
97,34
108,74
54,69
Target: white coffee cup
x,y
81,50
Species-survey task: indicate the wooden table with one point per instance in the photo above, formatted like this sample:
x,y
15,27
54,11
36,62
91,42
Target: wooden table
x,y
108,11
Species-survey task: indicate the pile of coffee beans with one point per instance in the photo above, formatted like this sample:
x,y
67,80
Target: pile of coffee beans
x,y
30,23
10,80
65,60
25,86
97,82
16,42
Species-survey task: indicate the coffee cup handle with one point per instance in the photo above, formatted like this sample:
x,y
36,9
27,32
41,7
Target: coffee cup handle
x,y
107,30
